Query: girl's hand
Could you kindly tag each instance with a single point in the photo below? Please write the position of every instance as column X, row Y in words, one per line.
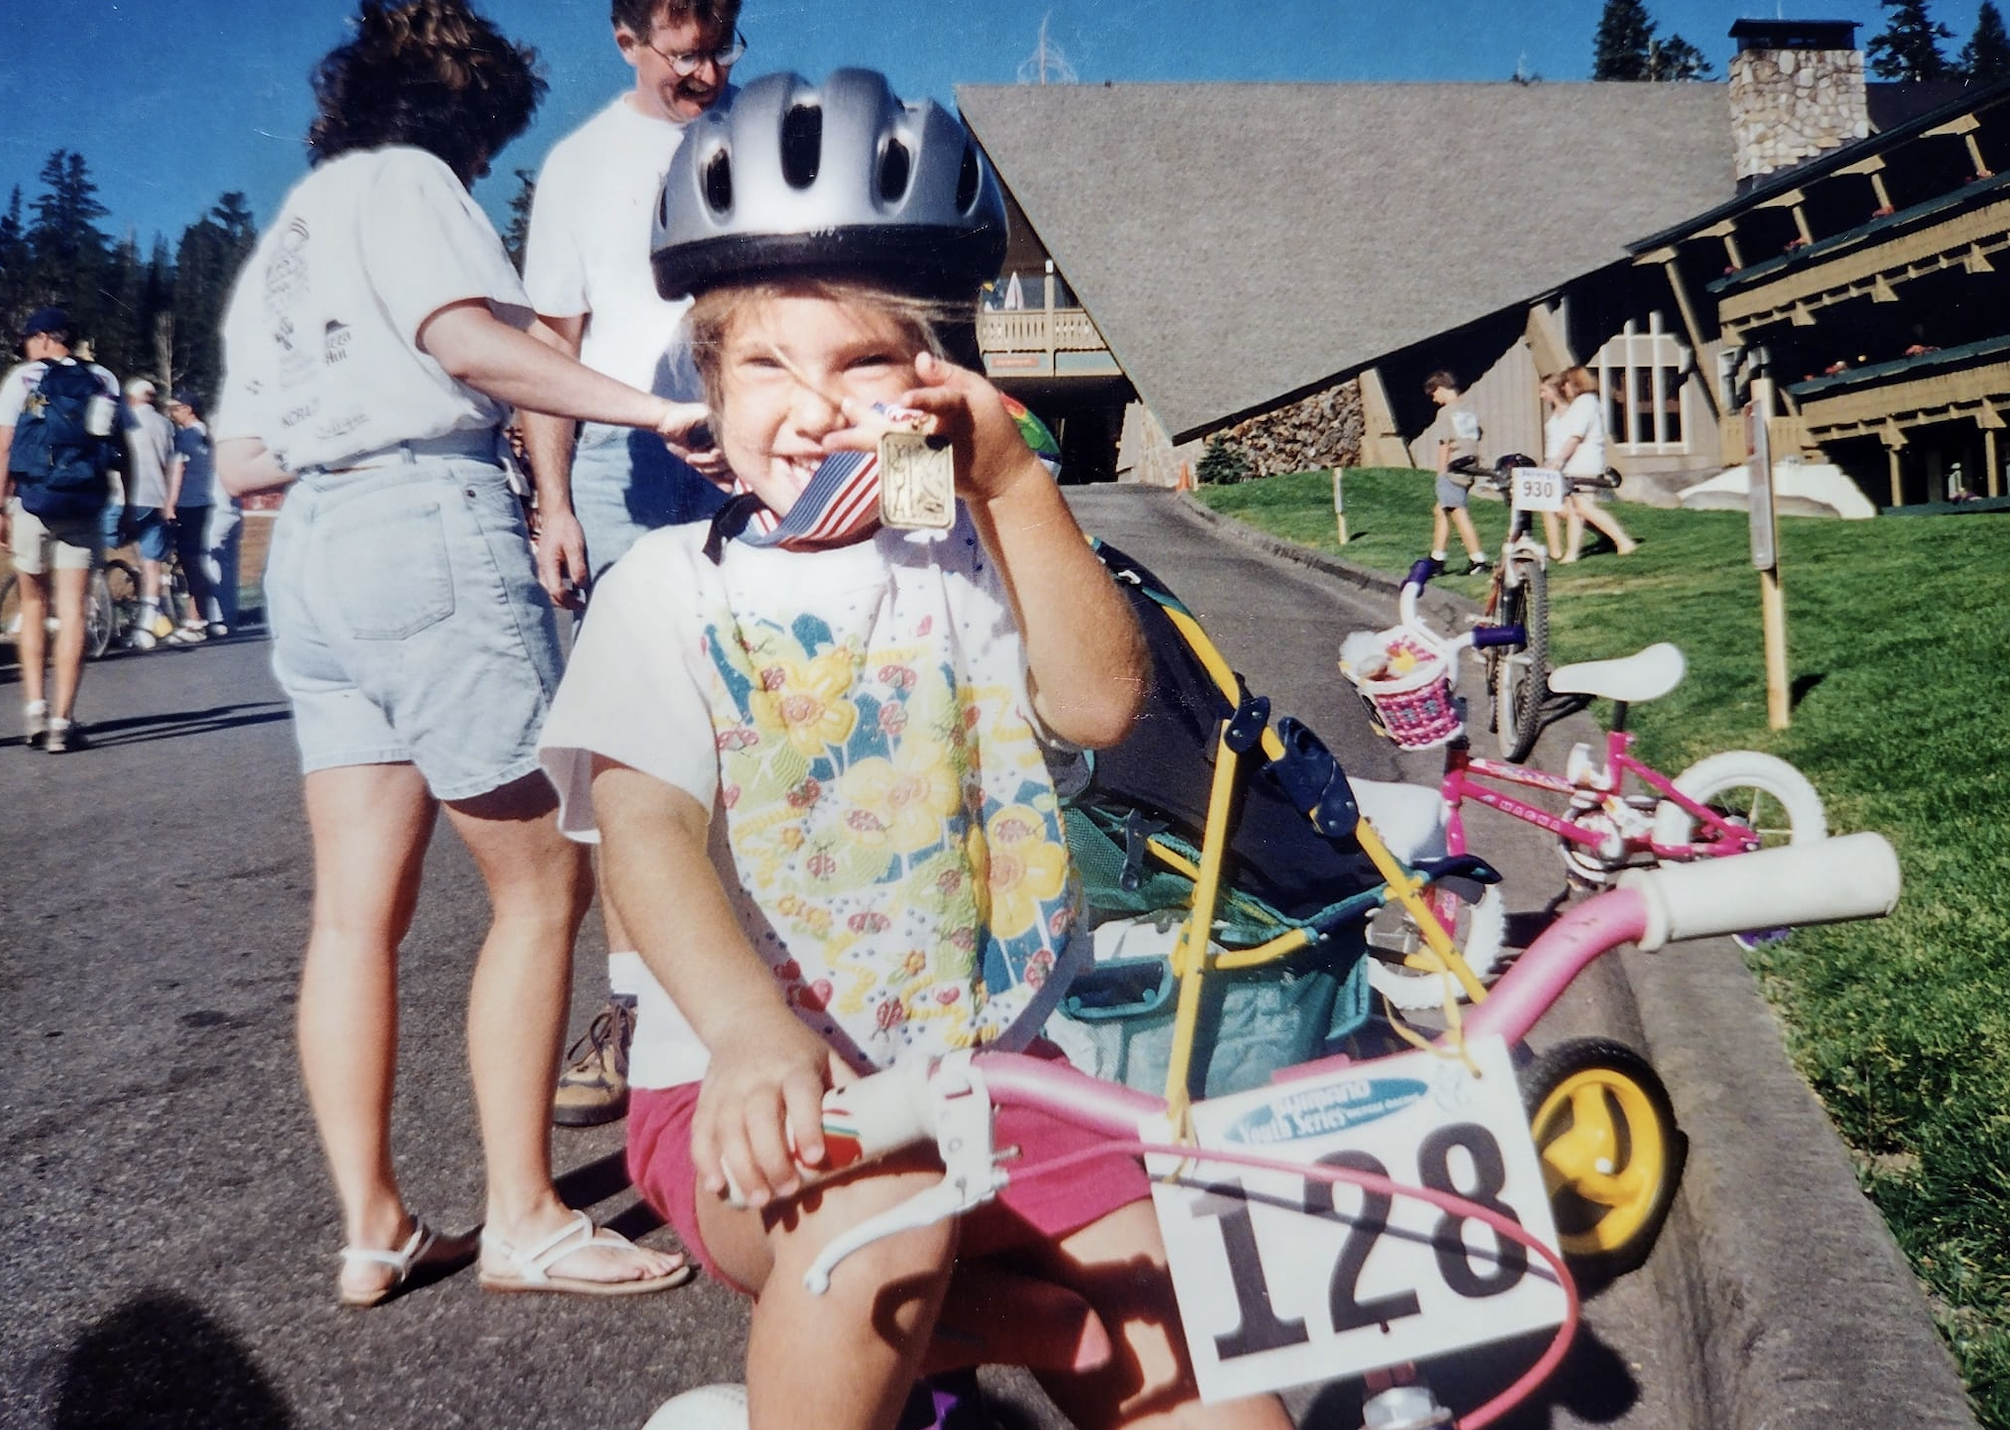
column 760, row 1109
column 991, row 456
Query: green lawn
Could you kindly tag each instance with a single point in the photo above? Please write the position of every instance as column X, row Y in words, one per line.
column 1898, row 634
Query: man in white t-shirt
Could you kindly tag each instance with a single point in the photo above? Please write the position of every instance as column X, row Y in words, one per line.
column 150, row 450
column 588, row 274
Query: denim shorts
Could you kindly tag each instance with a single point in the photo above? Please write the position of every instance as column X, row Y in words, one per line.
column 150, row 532
column 625, row 484
column 408, row 624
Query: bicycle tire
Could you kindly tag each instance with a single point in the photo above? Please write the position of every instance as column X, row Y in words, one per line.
column 1612, row 1153
column 1760, row 791
column 1478, row 928
column 1522, row 677
column 98, row 616
column 122, row 592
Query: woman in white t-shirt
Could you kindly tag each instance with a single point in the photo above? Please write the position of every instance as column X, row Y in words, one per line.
column 373, row 347
column 1580, row 452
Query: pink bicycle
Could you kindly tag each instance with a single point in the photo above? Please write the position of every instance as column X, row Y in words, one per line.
column 1358, row 1217
column 1619, row 812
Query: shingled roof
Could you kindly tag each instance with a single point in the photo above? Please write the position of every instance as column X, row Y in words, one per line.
column 1237, row 243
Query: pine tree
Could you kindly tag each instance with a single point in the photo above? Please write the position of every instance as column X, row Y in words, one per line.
column 1675, row 59
column 1909, row 46
column 15, row 283
column 1624, row 41
column 207, row 261
column 1986, row 56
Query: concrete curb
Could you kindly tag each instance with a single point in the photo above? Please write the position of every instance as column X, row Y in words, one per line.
column 1804, row 1311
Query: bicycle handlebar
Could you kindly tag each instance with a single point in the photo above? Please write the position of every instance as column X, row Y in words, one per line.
column 1853, row 876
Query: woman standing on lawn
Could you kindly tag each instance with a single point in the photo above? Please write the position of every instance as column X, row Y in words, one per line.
column 373, row 345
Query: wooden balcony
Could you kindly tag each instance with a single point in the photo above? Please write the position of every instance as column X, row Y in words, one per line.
column 1042, row 342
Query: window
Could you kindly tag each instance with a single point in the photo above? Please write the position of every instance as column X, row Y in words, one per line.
column 1645, row 379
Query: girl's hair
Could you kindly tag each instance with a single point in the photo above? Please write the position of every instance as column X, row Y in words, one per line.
column 714, row 312
column 639, row 17
column 1577, row 381
column 429, row 73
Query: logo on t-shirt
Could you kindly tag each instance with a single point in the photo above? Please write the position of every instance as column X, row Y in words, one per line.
column 335, row 342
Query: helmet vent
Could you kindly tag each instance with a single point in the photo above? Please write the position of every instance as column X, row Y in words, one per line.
column 967, row 180
column 718, row 183
column 895, row 165
column 802, row 144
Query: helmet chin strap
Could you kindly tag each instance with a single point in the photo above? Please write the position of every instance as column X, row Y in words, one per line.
column 838, row 506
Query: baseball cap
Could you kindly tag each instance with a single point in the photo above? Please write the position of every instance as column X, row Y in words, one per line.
column 139, row 387
column 46, row 320
column 185, row 397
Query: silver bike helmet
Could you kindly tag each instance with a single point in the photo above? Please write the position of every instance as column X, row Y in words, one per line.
column 843, row 176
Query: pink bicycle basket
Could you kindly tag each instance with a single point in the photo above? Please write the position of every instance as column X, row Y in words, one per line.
column 1416, row 707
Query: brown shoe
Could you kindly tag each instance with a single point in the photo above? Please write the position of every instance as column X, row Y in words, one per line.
column 593, row 1085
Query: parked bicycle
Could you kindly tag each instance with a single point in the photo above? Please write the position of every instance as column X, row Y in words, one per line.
column 1281, row 1205
column 1620, row 812
column 1518, row 598
column 111, row 607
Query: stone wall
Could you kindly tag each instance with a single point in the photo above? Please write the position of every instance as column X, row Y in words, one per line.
column 1323, row 430
column 1788, row 105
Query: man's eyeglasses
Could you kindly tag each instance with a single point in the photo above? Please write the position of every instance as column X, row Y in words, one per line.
column 684, row 64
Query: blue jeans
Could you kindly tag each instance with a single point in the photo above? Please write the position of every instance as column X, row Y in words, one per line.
column 626, row 484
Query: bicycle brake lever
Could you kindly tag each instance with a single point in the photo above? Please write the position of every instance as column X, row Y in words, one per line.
column 960, row 1116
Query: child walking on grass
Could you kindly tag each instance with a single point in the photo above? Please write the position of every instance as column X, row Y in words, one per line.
column 815, row 753
column 1458, row 460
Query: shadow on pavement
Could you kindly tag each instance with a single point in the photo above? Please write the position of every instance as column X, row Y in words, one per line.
column 593, row 1182
column 177, row 724
column 160, row 1363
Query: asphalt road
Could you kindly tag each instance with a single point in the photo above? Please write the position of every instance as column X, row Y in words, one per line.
column 170, row 1236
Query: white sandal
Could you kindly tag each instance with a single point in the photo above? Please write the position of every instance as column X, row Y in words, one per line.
column 530, row 1266
column 425, row 1252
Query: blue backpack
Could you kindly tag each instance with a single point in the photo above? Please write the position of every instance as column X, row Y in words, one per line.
column 59, row 467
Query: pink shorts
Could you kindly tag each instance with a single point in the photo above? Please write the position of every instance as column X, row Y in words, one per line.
column 1030, row 1211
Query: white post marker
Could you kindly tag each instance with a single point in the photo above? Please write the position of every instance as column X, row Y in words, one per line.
column 1765, row 552
column 1538, row 489
column 1339, row 507
column 1285, row 1281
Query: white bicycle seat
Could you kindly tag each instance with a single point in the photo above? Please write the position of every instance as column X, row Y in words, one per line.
column 1644, row 675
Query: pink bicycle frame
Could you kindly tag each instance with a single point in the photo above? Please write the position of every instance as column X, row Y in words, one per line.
column 1464, row 772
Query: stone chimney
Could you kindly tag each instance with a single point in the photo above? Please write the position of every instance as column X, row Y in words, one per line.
column 1797, row 90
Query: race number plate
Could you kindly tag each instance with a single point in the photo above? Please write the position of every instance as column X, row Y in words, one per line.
column 1539, row 489
column 1283, row 1281
column 917, row 481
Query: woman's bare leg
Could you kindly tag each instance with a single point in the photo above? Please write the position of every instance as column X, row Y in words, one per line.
column 538, row 887
column 1597, row 516
column 370, row 824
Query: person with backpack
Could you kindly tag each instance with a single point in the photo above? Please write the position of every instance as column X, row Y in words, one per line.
column 56, row 420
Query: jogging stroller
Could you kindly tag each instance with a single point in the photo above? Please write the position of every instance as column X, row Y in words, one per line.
column 1210, row 841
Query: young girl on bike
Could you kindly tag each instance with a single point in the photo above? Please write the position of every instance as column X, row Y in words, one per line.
column 815, row 754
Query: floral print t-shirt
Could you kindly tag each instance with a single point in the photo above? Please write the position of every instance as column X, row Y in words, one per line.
column 858, row 722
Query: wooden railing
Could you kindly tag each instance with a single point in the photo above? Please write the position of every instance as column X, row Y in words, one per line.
column 1037, row 330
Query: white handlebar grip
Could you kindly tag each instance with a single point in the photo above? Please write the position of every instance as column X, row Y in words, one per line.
column 868, row 1118
column 1853, row 876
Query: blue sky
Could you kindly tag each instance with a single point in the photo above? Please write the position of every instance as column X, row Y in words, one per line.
column 173, row 102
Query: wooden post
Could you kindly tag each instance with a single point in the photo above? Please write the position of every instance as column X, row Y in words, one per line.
column 1339, row 506
column 1779, row 681
column 1765, row 555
